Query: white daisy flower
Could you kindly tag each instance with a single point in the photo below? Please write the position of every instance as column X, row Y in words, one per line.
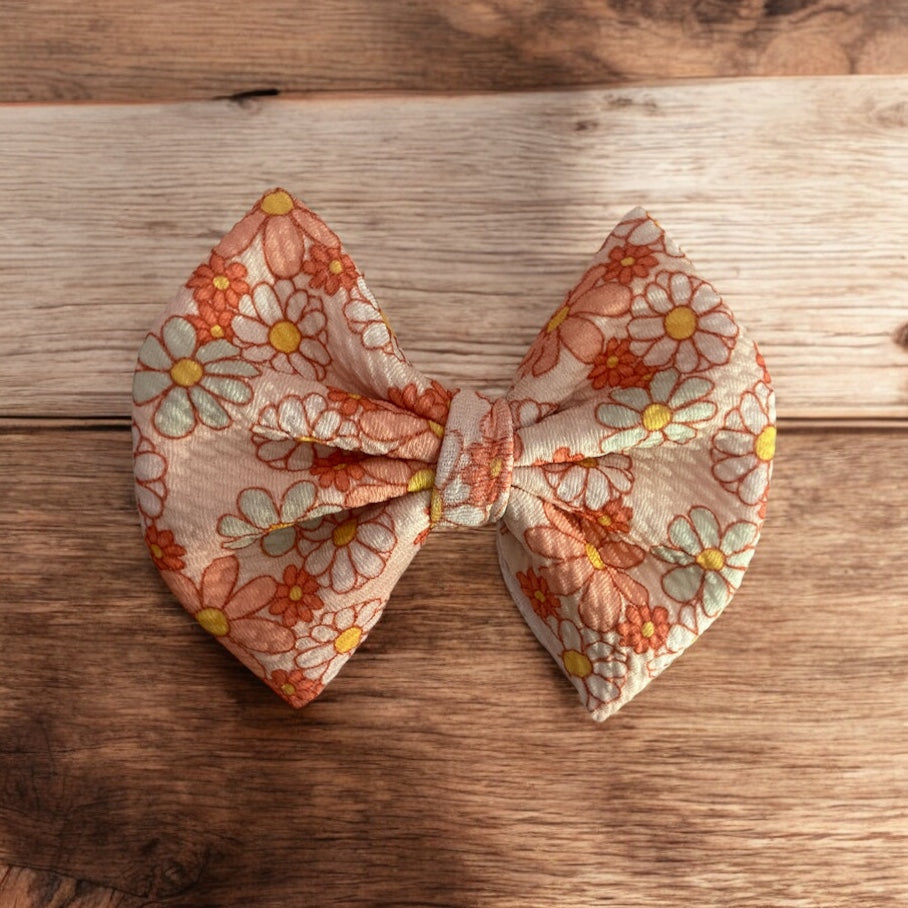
column 680, row 320
column 264, row 520
column 329, row 644
column 743, row 448
column 189, row 381
column 150, row 469
column 709, row 562
column 666, row 411
column 284, row 327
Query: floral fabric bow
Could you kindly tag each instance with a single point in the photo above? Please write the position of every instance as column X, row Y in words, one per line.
column 290, row 460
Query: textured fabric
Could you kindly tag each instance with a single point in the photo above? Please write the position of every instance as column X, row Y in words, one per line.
column 290, row 460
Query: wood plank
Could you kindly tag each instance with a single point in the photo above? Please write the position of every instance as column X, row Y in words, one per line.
column 23, row 887
column 769, row 766
column 104, row 50
column 470, row 217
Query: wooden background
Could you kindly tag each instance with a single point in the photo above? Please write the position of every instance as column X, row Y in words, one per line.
column 449, row 764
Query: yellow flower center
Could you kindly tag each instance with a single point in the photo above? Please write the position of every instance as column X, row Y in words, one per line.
column 156, row 550
column 656, row 417
column 711, row 560
column 539, row 596
column 612, row 361
column 648, row 629
column 765, row 445
column 277, row 203
column 217, row 331
column 496, row 465
column 221, row 281
column 595, row 558
column 336, row 266
column 186, row 372
column 349, row 639
column 605, row 520
column 285, row 337
column 421, row 480
column 345, row 533
column 588, row 462
column 577, row 663
column 556, row 320
column 680, row 323
column 305, row 439
column 288, row 689
column 436, row 427
column 436, row 506
column 628, row 260
column 214, row 621
column 295, row 594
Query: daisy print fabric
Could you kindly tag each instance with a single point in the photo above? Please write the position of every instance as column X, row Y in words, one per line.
column 290, row 460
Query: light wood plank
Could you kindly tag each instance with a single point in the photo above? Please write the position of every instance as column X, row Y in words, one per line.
column 25, row 887
column 101, row 49
column 768, row 767
column 471, row 216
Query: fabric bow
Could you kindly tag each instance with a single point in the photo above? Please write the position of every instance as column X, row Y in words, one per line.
column 290, row 460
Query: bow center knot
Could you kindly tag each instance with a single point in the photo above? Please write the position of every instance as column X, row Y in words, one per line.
column 475, row 462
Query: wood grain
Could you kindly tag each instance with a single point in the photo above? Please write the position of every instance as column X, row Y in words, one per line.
column 23, row 887
column 471, row 217
column 104, row 50
column 769, row 767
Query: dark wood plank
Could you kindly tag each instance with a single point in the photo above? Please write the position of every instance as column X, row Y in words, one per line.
column 104, row 50
column 449, row 764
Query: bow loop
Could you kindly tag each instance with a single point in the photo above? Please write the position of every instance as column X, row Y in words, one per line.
column 475, row 463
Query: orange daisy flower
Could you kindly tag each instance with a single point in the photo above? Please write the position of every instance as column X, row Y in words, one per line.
column 330, row 268
column 617, row 367
column 630, row 261
column 338, row 469
column 615, row 517
column 296, row 599
column 295, row 687
column 167, row 555
column 212, row 324
column 545, row 603
column 218, row 283
column 645, row 628
column 432, row 404
column 351, row 403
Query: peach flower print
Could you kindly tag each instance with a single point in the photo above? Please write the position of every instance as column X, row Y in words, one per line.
column 230, row 614
column 574, row 327
column 580, row 555
column 284, row 227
